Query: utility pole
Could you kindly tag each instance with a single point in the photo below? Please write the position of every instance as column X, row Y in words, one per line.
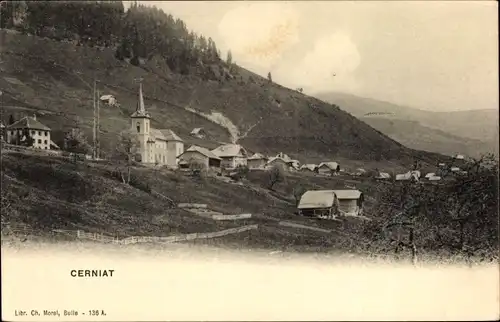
column 98, row 128
column 94, row 132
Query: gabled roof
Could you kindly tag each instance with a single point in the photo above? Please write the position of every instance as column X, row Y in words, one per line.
column 430, row 174
column 257, row 156
column 347, row 194
column 28, row 123
column 1, row 125
column 197, row 130
column 311, row 167
column 284, row 157
column 106, row 97
column 273, row 159
column 203, row 151
column 434, row 178
column 455, row 169
column 383, row 175
column 317, row 199
column 229, row 150
column 330, row 165
column 408, row 175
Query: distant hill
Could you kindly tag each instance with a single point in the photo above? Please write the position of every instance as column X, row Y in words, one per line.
column 53, row 79
column 471, row 132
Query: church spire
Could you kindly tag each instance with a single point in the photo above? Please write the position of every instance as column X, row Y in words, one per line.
column 140, row 108
column 140, row 101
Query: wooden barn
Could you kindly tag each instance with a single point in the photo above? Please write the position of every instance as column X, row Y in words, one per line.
column 318, row 203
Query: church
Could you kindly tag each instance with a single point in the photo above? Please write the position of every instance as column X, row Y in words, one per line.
column 156, row 146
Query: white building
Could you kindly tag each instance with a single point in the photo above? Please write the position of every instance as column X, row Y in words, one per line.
column 158, row 146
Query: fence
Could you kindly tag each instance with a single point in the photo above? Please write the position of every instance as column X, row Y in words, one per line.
column 153, row 239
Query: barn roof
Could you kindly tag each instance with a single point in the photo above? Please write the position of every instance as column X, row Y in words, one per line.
column 197, row 130
column 330, row 165
column 204, row 151
column 28, row 123
column 383, row 175
column 317, row 199
column 347, row 194
column 106, row 97
column 229, row 150
column 309, row 166
column 430, row 174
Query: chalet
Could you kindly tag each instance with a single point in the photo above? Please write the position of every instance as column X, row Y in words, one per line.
column 429, row 175
column 279, row 162
column 383, row 176
column 109, row 100
column 29, row 131
column 455, row 169
column 198, row 133
column 200, row 155
column 284, row 157
column 434, row 178
column 328, row 168
column 350, row 202
column 308, row 168
column 257, row 161
column 408, row 176
column 359, row 172
column 318, row 203
column 232, row 155
column 460, row 157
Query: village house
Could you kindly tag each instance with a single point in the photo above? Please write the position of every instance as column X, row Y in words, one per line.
column 409, row 176
column 383, row 176
column 232, row 155
column 20, row 132
column 318, row 203
column 109, row 100
column 278, row 162
column 156, row 146
column 257, row 161
column 350, row 202
column 429, row 175
column 308, row 168
column 200, row 155
column 293, row 165
column 198, row 133
column 328, row 168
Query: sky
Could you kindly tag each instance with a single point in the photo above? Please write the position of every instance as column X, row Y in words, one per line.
column 434, row 55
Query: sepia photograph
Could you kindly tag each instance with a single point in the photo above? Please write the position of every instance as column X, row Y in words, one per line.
column 249, row 160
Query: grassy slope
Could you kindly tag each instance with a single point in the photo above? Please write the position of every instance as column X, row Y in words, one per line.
column 464, row 128
column 50, row 192
column 52, row 77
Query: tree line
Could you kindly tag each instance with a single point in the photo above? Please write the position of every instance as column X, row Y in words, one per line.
column 139, row 32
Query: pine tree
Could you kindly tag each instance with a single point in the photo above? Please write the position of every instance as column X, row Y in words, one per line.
column 269, row 77
column 229, row 59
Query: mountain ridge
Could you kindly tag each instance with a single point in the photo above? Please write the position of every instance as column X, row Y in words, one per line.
column 53, row 76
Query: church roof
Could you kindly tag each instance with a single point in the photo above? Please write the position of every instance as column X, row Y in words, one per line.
column 165, row 135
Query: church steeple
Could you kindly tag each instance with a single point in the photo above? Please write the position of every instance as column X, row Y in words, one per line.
column 140, row 110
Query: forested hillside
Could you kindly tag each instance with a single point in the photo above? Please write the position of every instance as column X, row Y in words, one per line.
column 58, row 48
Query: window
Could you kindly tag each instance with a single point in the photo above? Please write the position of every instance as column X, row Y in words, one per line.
column 45, row 141
column 46, row 148
column 46, row 133
column 138, row 127
column 147, row 126
column 39, row 133
column 40, row 141
column 32, row 132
